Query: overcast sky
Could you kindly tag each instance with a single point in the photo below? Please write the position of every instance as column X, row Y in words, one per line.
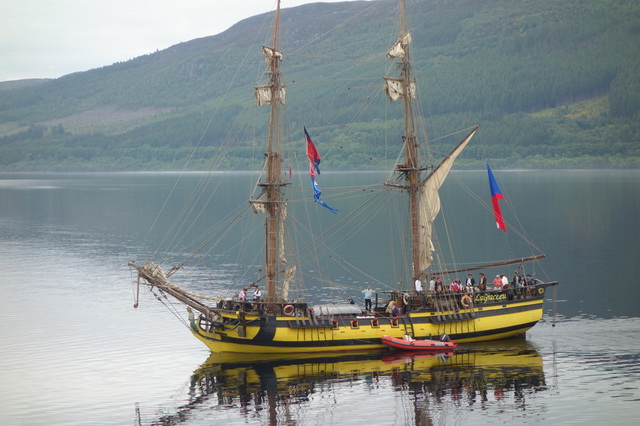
column 51, row 38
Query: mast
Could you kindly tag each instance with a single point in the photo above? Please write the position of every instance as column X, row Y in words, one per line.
column 424, row 200
column 412, row 152
column 273, row 204
column 404, row 88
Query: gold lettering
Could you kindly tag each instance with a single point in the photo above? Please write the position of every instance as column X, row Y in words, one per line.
column 484, row 298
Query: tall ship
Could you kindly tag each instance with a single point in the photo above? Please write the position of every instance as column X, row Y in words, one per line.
column 264, row 316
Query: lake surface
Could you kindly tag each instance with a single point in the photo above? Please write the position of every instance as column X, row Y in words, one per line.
column 75, row 352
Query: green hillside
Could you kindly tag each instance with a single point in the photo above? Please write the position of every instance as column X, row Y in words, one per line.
column 552, row 84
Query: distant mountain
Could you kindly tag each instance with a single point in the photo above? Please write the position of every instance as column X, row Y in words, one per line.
column 553, row 84
column 19, row 84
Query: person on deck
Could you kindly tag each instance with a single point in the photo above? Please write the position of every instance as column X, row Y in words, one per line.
column 257, row 294
column 392, row 309
column 407, row 337
column 516, row 282
column 432, row 284
column 497, row 283
column 368, row 295
column 505, row 282
column 418, row 285
column 482, row 285
column 470, row 284
column 242, row 296
column 529, row 282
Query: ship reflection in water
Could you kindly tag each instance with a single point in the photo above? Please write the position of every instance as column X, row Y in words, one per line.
column 285, row 390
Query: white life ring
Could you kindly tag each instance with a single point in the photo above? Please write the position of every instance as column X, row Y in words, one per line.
column 288, row 310
column 405, row 298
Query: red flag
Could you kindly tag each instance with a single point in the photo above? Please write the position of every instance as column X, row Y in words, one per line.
column 496, row 195
column 312, row 153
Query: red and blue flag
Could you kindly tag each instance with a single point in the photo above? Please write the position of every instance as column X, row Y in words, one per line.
column 496, row 195
column 312, row 154
column 314, row 165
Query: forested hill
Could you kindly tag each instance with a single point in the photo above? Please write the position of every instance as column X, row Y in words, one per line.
column 552, row 83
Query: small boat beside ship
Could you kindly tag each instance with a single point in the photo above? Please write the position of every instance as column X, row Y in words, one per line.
column 419, row 345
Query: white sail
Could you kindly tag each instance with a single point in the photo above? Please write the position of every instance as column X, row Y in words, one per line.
column 429, row 203
column 258, row 206
column 263, row 95
column 282, row 213
column 399, row 49
column 289, row 274
column 270, row 53
column 394, row 88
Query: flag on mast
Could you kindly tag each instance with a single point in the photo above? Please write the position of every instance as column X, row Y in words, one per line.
column 316, row 196
column 496, row 195
column 312, row 153
column 314, row 165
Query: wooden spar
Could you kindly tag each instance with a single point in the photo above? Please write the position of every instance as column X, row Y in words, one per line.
column 411, row 167
column 273, row 184
column 149, row 273
column 506, row 262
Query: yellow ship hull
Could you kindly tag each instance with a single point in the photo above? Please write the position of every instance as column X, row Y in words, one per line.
column 241, row 332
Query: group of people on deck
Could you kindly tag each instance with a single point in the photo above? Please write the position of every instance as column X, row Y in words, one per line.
column 257, row 294
column 437, row 286
column 501, row 282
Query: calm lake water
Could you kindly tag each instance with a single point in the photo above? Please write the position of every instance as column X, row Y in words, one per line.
column 75, row 352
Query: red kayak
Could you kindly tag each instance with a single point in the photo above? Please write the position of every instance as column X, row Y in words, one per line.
column 418, row 345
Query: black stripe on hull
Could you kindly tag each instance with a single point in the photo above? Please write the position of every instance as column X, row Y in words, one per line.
column 262, row 338
column 428, row 318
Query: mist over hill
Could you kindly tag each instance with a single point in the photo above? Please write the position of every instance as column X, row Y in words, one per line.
column 552, row 84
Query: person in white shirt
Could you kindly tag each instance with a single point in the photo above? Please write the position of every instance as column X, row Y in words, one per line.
column 257, row 294
column 418, row 285
column 368, row 295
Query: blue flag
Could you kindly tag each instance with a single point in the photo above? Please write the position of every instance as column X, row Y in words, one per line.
column 316, row 196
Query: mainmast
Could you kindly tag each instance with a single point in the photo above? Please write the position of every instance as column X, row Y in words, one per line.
column 405, row 88
column 273, row 203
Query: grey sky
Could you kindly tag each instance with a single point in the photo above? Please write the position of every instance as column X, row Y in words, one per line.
column 51, row 38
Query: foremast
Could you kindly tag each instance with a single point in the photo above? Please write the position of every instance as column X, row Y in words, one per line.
column 424, row 201
column 271, row 199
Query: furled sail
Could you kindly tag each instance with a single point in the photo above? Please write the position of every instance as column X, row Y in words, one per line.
column 258, row 206
column 289, row 275
column 282, row 217
column 429, row 202
column 399, row 49
column 270, row 53
column 263, row 95
column 394, row 88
